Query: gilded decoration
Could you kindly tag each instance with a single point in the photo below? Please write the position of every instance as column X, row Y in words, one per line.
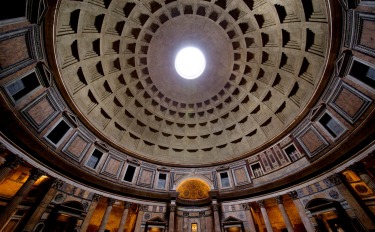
column 193, row 189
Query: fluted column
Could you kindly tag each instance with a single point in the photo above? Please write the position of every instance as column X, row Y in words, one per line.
column 280, row 204
column 172, row 212
column 90, row 212
column 215, row 209
column 9, row 209
column 124, row 216
column 265, row 216
column 107, row 212
column 250, row 218
column 11, row 163
column 202, row 220
column 360, row 170
column 141, row 211
column 302, row 213
column 365, row 219
column 34, row 219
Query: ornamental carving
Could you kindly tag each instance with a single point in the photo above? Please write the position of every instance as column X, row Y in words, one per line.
column 193, row 189
column 279, row 200
column 35, row 174
column 127, row 205
column 358, row 168
column 57, row 184
column 261, row 203
column 360, row 188
column 96, row 197
column 111, row 201
column 334, row 194
column 335, row 179
column 13, row 162
column 172, row 208
column 293, row 195
column 215, row 207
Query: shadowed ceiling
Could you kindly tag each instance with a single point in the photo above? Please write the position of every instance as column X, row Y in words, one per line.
column 265, row 60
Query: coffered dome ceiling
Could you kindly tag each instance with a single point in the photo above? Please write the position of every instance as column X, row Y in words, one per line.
column 265, row 60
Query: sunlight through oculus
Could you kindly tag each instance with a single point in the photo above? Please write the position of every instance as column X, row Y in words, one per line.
column 190, row 63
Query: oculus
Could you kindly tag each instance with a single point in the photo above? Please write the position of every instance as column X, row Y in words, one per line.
column 190, row 63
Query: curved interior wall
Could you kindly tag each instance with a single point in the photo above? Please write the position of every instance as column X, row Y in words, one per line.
column 331, row 136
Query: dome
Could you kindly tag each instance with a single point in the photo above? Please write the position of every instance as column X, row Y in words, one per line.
column 116, row 65
column 100, row 130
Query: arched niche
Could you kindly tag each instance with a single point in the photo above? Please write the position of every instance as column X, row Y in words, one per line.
column 193, row 189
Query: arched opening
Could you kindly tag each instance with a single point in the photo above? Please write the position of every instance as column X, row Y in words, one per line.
column 193, row 189
column 329, row 215
column 64, row 217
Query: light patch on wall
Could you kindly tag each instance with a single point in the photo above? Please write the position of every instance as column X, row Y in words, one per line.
column 193, row 189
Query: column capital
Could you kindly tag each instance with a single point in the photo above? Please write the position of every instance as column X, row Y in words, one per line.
column 110, row 201
column 13, row 162
column 57, row 183
column 215, row 207
column 246, row 206
column 127, row 204
column 143, row 207
column 261, row 203
column 96, row 197
column 35, row 174
column 358, row 168
column 293, row 194
column 172, row 207
column 3, row 149
column 279, row 200
column 335, row 179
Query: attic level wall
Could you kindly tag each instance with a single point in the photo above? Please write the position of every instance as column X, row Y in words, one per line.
column 32, row 108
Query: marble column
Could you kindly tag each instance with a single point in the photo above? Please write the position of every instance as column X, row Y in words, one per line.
column 11, row 163
column 360, row 170
column 107, row 212
column 141, row 212
column 124, row 216
column 185, row 222
column 250, row 218
column 215, row 209
column 48, row 197
column 172, row 212
column 90, row 212
column 265, row 216
column 302, row 213
column 11, row 207
column 287, row 222
column 202, row 220
column 364, row 218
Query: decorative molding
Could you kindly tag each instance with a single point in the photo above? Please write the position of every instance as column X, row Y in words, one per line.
column 215, row 207
column 311, row 129
column 261, row 203
column 52, row 103
column 13, row 162
column 31, row 34
column 335, row 179
column 127, row 204
column 359, row 18
column 366, row 101
column 172, row 208
column 57, row 184
column 77, row 157
column 279, row 200
column 110, row 201
column 96, row 197
column 35, row 174
column 293, row 195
